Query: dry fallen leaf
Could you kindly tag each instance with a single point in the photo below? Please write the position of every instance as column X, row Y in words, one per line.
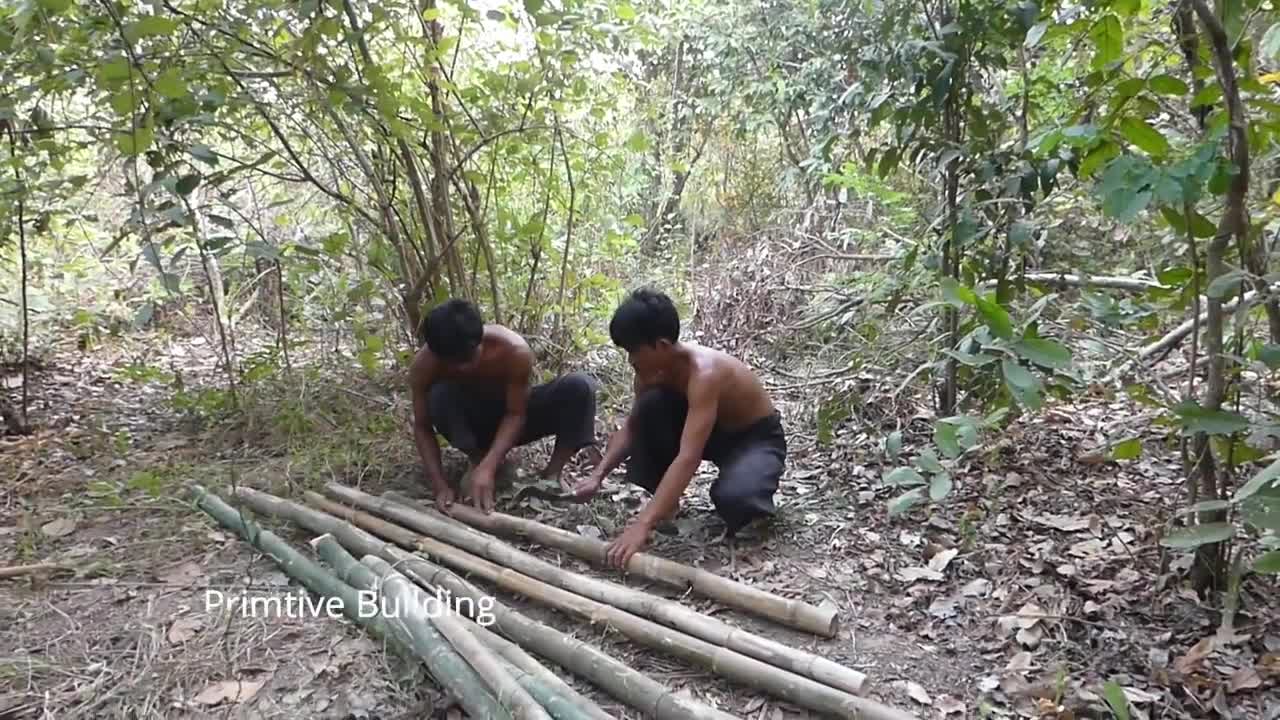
column 58, row 528
column 1030, row 637
column 1135, row 695
column 948, row 705
column 1087, row 548
column 1047, row 707
column 940, row 561
column 1064, row 523
column 1198, row 652
column 918, row 693
column 184, row 628
column 1021, row 662
column 1244, row 679
column 236, row 691
column 182, row 574
column 912, row 574
column 1008, row 624
column 976, row 588
column 1029, row 615
column 943, row 607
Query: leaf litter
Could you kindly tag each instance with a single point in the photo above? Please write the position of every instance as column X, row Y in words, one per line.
column 924, row 589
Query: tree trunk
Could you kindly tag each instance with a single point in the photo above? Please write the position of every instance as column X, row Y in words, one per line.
column 1208, row 570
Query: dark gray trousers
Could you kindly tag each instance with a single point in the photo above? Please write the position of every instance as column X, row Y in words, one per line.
column 750, row 460
column 468, row 415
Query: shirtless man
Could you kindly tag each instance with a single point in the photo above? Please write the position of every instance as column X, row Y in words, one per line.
column 470, row 382
column 692, row 403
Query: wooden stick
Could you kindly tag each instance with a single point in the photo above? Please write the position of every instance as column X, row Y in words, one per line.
column 361, row 575
column 447, row 668
column 416, row 606
column 726, row 663
column 727, row 592
column 14, row 571
column 637, row 690
column 667, row 612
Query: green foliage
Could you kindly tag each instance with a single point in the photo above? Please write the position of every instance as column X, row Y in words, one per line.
column 930, row 476
column 1116, row 700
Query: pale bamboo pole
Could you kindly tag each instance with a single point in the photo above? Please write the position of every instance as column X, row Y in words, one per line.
column 637, row 690
column 726, row 663
column 446, row 667
column 730, row 593
column 416, row 604
column 523, row 662
column 663, row 610
column 561, row 706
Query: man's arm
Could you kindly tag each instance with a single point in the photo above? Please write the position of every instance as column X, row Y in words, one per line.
column 421, row 377
column 508, row 431
column 701, row 418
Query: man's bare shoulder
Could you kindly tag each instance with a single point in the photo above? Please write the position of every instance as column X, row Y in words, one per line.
column 512, row 351
column 422, row 367
column 717, row 362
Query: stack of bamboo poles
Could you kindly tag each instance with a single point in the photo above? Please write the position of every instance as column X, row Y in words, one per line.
column 492, row 669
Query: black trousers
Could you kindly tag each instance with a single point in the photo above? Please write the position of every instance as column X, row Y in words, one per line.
column 750, row 460
column 468, row 415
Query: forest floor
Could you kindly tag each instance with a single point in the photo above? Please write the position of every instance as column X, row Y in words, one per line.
column 1037, row 582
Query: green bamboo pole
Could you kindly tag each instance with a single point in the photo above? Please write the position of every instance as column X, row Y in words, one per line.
column 525, row 665
column 419, row 606
column 635, row 689
column 822, row 621
column 471, row 692
column 659, row 609
column 726, row 663
column 560, row 700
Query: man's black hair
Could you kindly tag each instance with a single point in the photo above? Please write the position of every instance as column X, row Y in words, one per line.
column 452, row 330
column 644, row 318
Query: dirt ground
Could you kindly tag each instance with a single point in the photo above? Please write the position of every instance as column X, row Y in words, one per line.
column 1038, row 582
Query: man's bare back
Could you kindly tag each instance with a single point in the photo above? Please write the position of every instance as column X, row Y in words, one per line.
column 741, row 399
column 501, row 357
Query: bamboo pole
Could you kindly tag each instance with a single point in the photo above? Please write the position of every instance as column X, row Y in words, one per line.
column 448, row 669
column 635, row 689
column 363, row 574
column 735, row 666
column 663, row 610
column 730, row 593
column 525, row 663
column 416, row 604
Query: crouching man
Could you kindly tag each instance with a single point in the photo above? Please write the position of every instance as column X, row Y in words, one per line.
column 470, row 383
column 692, row 403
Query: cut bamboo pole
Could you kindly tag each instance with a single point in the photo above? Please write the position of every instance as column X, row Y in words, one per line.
column 633, row 688
column 735, row 666
column 447, row 668
column 730, row 593
column 663, row 610
column 561, row 706
column 529, row 665
column 417, row 606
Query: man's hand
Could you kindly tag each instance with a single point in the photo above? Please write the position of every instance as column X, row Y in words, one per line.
column 445, row 497
column 482, row 484
column 588, row 486
column 630, row 542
